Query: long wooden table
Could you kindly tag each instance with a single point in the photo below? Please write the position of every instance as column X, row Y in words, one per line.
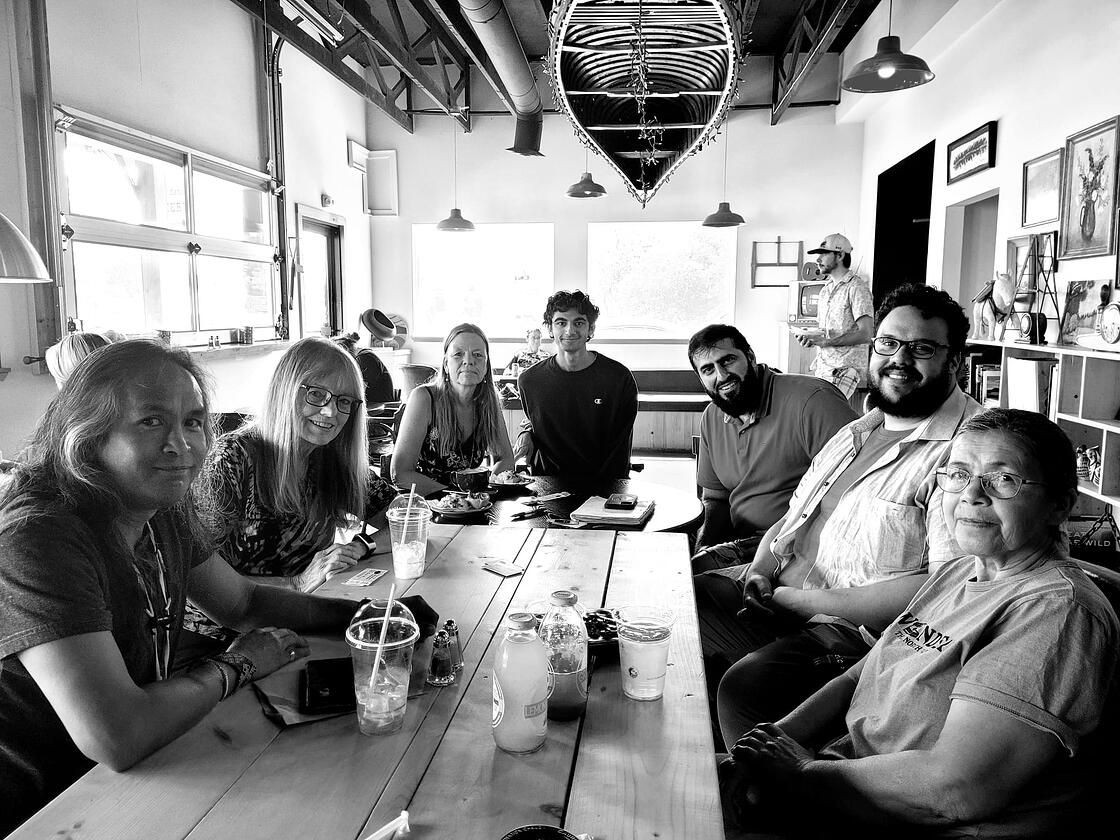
column 627, row 770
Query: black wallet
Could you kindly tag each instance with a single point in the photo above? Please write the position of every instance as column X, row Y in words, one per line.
column 326, row 686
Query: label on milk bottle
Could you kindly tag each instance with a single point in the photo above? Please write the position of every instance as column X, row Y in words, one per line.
column 499, row 710
column 534, row 709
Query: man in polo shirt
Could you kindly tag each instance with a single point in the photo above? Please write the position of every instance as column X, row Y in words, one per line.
column 844, row 310
column 862, row 530
column 756, row 441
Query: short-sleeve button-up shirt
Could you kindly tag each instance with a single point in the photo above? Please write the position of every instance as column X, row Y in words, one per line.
column 889, row 521
column 841, row 303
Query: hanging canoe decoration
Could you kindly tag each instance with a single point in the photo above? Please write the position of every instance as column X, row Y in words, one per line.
column 645, row 83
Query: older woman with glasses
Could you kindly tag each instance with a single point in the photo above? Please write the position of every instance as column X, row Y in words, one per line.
column 455, row 421
column 100, row 545
column 280, row 486
column 975, row 713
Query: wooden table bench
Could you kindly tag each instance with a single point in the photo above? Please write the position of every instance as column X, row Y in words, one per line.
column 627, row 770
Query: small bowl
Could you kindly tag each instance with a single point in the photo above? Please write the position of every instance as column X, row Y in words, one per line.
column 538, row 832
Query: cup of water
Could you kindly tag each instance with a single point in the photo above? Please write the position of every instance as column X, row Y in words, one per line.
column 381, row 671
column 643, row 649
column 409, row 519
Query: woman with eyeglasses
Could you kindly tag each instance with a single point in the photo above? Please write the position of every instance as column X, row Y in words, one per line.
column 280, row 486
column 455, row 421
column 977, row 711
column 100, row 545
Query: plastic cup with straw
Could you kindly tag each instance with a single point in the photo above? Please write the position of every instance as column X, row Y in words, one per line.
column 382, row 668
column 408, row 532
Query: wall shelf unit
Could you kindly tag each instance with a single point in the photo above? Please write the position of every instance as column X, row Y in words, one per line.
column 1085, row 401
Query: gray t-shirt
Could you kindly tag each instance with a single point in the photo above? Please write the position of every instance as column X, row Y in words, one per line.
column 59, row 578
column 1039, row 646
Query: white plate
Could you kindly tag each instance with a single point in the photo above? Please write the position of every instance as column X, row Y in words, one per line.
column 452, row 512
column 518, row 481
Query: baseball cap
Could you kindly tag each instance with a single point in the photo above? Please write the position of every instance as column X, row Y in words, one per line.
column 834, row 243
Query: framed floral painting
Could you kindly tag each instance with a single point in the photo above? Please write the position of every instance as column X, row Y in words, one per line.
column 1088, row 214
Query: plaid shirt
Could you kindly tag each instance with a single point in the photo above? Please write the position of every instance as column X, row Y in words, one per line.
column 889, row 521
column 841, row 303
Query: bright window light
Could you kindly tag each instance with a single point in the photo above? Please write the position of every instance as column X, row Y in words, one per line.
column 498, row 277
column 660, row 279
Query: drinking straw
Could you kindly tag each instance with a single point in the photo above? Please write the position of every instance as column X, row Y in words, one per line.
column 381, row 643
column 393, row 828
column 408, row 514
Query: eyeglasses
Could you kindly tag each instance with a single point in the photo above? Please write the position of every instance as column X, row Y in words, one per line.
column 318, row 396
column 919, row 349
column 998, row 485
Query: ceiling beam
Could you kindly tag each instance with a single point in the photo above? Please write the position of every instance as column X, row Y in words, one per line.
column 269, row 13
column 399, row 53
column 816, row 26
column 447, row 14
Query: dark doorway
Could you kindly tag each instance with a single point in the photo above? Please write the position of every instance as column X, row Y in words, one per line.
column 902, row 222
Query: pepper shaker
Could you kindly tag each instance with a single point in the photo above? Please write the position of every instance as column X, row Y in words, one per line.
column 440, row 671
column 452, row 630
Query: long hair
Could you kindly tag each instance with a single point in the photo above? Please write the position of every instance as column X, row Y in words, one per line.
column 342, row 466
column 490, row 425
column 61, row 466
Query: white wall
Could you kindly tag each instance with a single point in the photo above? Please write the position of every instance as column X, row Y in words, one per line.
column 798, row 180
column 1044, row 68
column 978, row 251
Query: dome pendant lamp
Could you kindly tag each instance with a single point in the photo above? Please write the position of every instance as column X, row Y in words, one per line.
column 724, row 216
column 889, row 69
column 455, row 223
column 586, row 186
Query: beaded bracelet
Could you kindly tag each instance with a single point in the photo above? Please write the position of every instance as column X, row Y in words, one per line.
column 242, row 666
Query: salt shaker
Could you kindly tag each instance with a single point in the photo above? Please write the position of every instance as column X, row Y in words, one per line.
column 441, row 671
column 452, row 630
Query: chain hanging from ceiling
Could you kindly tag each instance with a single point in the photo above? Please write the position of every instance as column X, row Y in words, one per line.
column 650, row 132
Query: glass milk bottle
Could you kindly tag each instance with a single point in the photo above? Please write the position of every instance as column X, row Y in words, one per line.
column 520, row 681
column 565, row 636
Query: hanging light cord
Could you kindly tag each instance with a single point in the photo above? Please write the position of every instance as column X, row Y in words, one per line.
column 454, row 168
column 890, row 15
column 726, row 143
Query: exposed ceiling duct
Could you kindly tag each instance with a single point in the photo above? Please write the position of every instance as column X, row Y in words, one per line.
column 491, row 23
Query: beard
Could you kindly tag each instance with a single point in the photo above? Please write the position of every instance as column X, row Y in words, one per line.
column 923, row 401
column 744, row 401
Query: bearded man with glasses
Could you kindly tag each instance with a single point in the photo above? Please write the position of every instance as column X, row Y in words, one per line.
column 862, row 530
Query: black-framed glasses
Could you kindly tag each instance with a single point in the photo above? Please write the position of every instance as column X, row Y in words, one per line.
column 998, row 485
column 884, row 345
column 319, row 396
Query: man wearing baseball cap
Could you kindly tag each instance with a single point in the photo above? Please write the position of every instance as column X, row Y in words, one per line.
column 846, row 314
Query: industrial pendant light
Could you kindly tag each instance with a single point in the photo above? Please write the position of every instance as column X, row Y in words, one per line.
column 455, row 223
column 19, row 261
column 724, row 216
column 889, row 69
column 586, row 186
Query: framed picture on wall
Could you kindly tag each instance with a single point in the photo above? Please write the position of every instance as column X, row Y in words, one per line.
column 973, row 153
column 1088, row 214
column 1042, row 183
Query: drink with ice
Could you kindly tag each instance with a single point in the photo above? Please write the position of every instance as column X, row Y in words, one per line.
column 381, row 708
column 409, row 518
column 643, row 650
column 565, row 636
column 382, row 697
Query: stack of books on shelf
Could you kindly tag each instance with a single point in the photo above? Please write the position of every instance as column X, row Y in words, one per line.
column 984, row 384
